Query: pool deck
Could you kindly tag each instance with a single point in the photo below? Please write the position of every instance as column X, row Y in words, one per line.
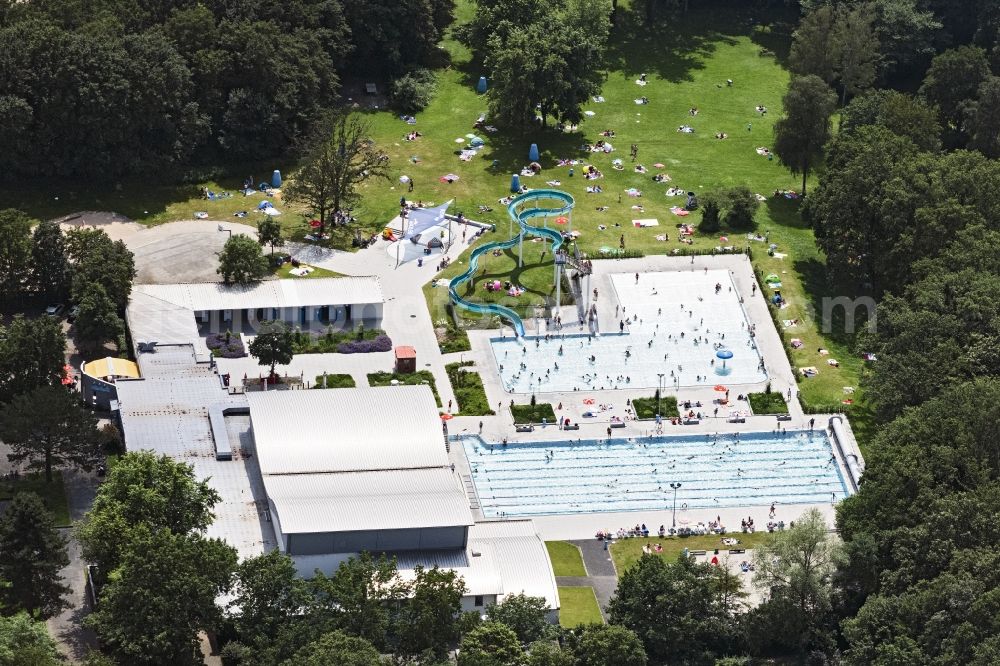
column 408, row 322
column 583, row 526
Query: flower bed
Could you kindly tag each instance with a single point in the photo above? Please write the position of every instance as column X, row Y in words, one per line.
column 225, row 345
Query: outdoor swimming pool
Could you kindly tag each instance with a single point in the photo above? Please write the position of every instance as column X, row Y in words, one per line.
column 538, row 478
column 678, row 322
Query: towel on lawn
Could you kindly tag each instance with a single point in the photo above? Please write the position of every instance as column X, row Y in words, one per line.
column 646, row 223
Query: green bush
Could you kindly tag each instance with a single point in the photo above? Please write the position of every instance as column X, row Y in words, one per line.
column 455, row 340
column 469, row 391
column 533, row 413
column 335, row 381
column 741, row 207
column 645, row 408
column 710, row 212
column 304, row 342
column 767, row 403
column 412, row 379
column 413, row 91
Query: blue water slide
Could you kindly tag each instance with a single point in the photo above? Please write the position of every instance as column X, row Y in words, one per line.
column 524, row 207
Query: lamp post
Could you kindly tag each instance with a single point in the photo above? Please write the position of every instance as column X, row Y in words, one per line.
column 659, row 390
column 675, row 486
column 222, row 228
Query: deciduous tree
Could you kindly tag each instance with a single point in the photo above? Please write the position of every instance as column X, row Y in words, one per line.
column 427, row 619
column 50, row 269
column 357, row 597
column 15, row 253
column 26, row 641
column 272, row 345
column 524, row 615
column 799, row 136
column 340, row 157
column 269, row 233
column 99, row 260
column 97, row 321
column 142, row 489
column 609, row 645
column 169, row 582
column 32, row 354
column 242, row 261
column 491, row 644
column 675, row 610
column 338, row 648
column 953, row 81
column 795, row 570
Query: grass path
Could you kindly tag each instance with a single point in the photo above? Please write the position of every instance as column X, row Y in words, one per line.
column 578, row 605
column 566, row 559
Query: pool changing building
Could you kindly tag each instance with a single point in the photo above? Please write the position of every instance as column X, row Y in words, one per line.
column 323, row 475
column 367, row 469
column 357, row 469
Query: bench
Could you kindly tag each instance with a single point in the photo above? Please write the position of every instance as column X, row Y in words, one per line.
column 371, row 89
column 524, row 428
column 697, row 553
column 691, row 421
column 784, row 417
column 737, row 551
column 618, row 424
column 574, row 426
column 737, row 419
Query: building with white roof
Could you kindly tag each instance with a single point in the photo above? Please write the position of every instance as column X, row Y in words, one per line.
column 358, row 469
column 320, row 475
column 179, row 313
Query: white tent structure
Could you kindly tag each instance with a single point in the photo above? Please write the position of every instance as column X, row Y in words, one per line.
column 424, row 232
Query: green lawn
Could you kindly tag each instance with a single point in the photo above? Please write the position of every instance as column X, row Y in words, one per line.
column 646, row 408
column 468, row 389
column 412, row 379
column 768, row 403
column 566, row 559
column 53, row 494
column 335, row 381
column 687, row 64
column 533, row 413
column 626, row 552
column 686, row 67
column 578, row 605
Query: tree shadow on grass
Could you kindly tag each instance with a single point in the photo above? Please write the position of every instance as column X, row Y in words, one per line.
column 670, row 51
column 786, row 212
column 510, row 150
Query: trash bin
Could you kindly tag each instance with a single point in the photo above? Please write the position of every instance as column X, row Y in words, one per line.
column 420, row 262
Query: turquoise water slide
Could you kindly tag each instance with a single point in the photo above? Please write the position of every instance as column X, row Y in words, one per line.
column 528, row 206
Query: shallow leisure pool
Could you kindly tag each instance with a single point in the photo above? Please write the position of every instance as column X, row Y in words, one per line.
column 675, row 323
column 585, row 476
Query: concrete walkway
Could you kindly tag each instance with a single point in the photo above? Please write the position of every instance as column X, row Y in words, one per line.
column 75, row 640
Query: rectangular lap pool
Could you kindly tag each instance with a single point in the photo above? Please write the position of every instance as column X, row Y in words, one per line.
column 586, row 476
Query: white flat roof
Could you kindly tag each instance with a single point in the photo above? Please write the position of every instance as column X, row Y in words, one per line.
column 213, row 296
column 503, row 557
column 382, row 500
column 347, row 430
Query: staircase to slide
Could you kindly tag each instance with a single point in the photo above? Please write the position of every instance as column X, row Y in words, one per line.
column 524, row 208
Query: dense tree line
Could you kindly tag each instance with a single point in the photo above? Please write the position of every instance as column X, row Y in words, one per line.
column 107, row 88
column 906, row 211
